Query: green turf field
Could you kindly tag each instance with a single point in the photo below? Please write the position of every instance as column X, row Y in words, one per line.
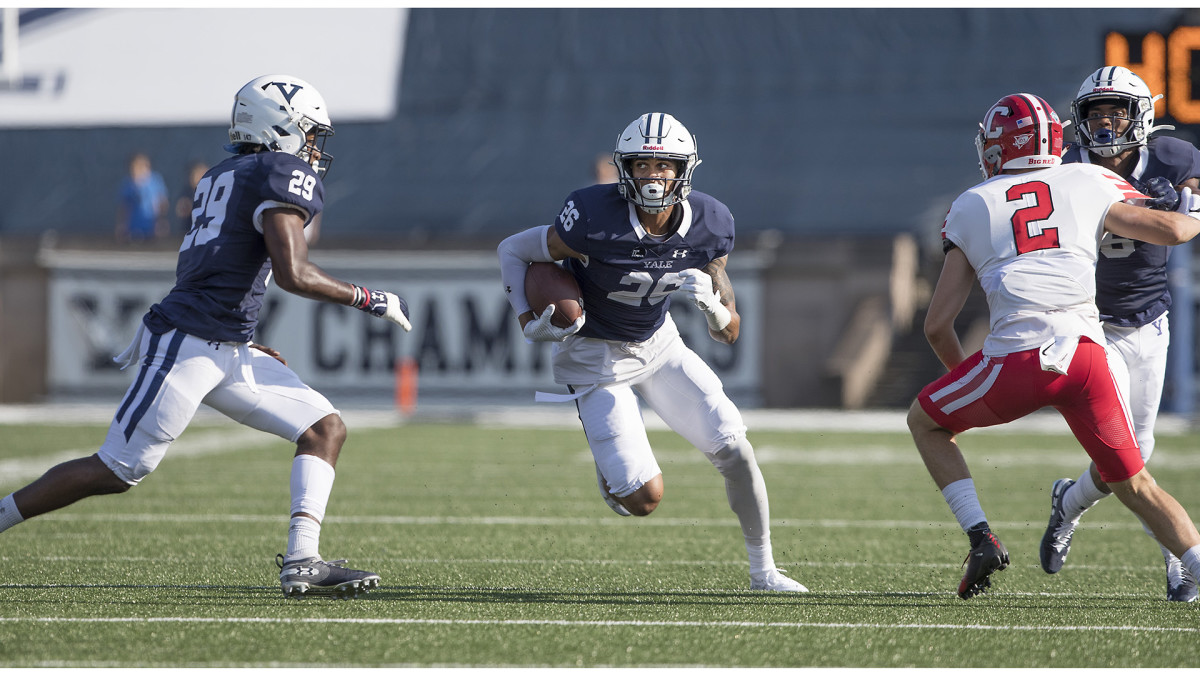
column 495, row 550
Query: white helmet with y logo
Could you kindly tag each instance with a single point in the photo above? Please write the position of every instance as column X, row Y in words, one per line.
column 656, row 135
column 1119, row 86
column 284, row 114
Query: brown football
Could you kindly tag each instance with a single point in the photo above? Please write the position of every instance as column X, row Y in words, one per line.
column 547, row 283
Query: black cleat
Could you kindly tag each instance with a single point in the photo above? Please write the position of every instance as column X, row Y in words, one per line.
column 1056, row 542
column 313, row 577
column 989, row 556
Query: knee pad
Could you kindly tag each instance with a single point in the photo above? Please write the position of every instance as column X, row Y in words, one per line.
column 734, row 457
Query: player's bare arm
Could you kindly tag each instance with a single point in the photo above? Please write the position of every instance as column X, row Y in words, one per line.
column 1156, row 227
column 949, row 296
column 723, row 286
column 283, row 230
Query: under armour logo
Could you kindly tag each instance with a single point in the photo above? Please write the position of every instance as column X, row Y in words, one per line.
column 282, row 86
column 679, row 253
column 305, row 571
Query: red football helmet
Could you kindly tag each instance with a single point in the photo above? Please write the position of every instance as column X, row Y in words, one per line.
column 1020, row 131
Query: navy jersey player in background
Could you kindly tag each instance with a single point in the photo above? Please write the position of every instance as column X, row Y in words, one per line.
column 1113, row 115
column 195, row 345
column 631, row 245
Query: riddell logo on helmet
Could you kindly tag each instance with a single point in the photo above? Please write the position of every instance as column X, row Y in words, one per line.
column 654, row 147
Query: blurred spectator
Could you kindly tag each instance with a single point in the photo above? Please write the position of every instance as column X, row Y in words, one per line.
column 142, row 207
column 185, row 202
column 604, row 170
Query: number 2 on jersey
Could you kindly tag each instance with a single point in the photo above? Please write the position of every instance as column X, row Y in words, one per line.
column 1029, row 235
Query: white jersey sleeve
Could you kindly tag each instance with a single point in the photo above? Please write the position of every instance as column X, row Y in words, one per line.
column 1032, row 239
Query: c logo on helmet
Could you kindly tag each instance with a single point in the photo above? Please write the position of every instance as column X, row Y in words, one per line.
column 989, row 130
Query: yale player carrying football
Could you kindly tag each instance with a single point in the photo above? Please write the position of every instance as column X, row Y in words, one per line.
column 194, row 346
column 1113, row 115
column 1030, row 235
column 630, row 246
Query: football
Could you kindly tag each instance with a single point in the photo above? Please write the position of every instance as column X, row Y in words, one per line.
column 547, row 283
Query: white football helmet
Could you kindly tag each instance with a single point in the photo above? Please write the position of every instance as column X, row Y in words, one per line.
column 656, row 135
column 280, row 112
column 1118, row 85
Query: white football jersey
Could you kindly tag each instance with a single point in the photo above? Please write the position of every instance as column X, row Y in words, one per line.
column 1033, row 239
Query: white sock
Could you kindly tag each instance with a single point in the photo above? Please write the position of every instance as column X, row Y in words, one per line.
column 761, row 557
column 1191, row 560
column 964, row 503
column 311, row 483
column 304, row 539
column 9, row 515
column 1081, row 496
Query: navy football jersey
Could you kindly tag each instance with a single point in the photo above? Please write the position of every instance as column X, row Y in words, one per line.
column 223, row 263
column 628, row 277
column 1131, row 275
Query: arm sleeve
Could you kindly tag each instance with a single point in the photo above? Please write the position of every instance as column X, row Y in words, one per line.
column 516, row 252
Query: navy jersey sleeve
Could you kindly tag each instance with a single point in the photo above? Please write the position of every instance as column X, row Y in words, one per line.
column 1176, row 159
column 720, row 223
column 572, row 223
column 288, row 180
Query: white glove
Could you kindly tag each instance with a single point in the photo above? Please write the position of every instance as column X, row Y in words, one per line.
column 699, row 287
column 395, row 311
column 382, row 304
column 1189, row 203
column 541, row 330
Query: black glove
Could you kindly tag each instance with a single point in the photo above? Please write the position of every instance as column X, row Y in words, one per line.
column 1163, row 196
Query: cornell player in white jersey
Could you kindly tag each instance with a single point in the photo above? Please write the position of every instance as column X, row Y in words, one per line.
column 631, row 245
column 248, row 222
column 1029, row 234
column 1113, row 115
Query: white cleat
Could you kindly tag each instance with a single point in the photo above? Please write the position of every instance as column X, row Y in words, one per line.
column 773, row 580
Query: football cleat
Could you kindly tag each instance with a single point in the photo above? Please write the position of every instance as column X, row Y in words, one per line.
column 1056, row 542
column 1180, row 585
column 308, row 577
column 989, row 556
column 608, row 497
column 773, row 580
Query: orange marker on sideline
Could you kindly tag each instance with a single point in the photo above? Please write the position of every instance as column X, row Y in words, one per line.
column 406, row 385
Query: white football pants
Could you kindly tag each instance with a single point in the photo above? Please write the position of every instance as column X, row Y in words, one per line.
column 177, row 372
column 683, row 390
column 1144, row 352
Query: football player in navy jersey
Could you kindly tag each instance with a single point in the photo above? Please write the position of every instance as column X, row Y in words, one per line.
column 194, row 346
column 1113, row 115
column 631, row 246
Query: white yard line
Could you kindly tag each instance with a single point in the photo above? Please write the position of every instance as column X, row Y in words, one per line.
column 557, row 521
column 601, row 624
